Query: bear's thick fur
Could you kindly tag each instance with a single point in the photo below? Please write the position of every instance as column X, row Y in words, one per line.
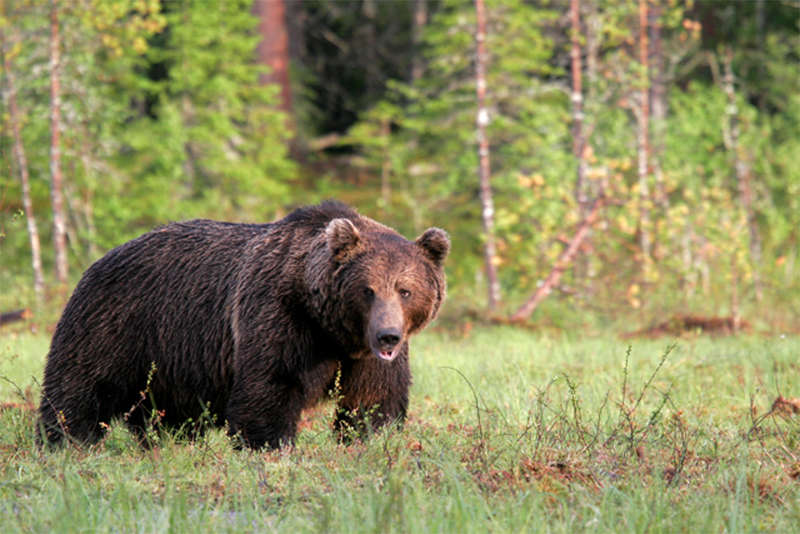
column 249, row 322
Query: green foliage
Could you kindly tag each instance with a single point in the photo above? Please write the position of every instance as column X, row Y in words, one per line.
column 164, row 119
column 210, row 144
column 346, row 53
column 433, row 154
column 699, row 230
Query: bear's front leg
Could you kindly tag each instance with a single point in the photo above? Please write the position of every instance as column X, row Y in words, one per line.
column 270, row 355
column 264, row 414
column 373, row 393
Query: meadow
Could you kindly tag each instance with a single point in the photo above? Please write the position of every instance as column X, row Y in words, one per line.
column 509, row 431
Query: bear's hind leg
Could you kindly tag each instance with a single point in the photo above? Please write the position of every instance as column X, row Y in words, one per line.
column 82, row 417
column 74, row 419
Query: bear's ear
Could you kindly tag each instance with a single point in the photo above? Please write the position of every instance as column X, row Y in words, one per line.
column 435, row 243
column 343, row 238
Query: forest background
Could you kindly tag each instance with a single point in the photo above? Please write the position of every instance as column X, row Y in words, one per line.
column 638, row 158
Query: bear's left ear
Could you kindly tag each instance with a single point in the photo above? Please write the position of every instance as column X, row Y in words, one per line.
column 343, row 239
column 435, row 243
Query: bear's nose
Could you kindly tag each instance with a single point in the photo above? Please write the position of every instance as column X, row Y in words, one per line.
column 389, row 337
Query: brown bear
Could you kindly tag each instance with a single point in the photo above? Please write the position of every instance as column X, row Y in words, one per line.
column 247, row 323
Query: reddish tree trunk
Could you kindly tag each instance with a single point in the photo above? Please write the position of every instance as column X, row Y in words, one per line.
column 487, row 206
column 420, row 19
column 560, row 267
column 273, row 50
column 22, row 166
column 59, row 221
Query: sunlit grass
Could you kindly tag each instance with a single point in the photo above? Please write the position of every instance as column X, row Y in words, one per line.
column 22, row 358
column 509, row 431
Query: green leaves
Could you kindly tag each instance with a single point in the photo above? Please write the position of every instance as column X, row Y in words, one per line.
column 164, row 118
column 226, row 145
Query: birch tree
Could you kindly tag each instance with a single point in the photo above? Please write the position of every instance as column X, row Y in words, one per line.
column 22, row 166
column 741, row 167
column 642, row 138
column 56, row 186
column 658, row 100
column 576, row 99
column 484, row 172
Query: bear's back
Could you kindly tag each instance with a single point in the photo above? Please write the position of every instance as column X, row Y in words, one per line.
column 163, row 291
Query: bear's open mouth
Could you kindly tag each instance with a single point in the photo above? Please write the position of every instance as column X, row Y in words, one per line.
column 385, row 343
column 386, row 355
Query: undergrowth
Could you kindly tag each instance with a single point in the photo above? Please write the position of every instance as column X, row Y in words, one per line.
column 509, row 431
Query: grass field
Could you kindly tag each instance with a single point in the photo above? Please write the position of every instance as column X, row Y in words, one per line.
column 509, row 431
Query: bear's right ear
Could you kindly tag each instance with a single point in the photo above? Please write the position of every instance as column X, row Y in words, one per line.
column 435, row 243
column 343, row 239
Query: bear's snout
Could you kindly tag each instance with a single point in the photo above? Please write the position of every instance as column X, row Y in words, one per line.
column 389, row 337
column 385, row 330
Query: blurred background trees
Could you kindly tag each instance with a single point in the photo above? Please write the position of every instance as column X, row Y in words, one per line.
column 684, row 117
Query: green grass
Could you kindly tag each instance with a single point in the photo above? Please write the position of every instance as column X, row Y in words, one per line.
column 509, row 431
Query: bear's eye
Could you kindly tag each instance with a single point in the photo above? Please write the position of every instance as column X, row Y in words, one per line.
column 404, row 293
column 368, row 292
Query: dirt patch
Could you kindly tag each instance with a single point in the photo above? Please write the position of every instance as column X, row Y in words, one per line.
column 561, row 471
column 23, row 406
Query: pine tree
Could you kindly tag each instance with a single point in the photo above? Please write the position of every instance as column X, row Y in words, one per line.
column 212, row 142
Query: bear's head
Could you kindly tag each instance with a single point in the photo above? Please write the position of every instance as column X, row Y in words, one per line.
column 383, row 287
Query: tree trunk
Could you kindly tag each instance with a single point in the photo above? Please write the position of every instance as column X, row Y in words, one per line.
column 386, row 165
column 742, row 170
column 487, row 207
column 59, row 221
column 642, row 141
column 22, row 166
column 593, row 29
column 658, row 101
column 761, row 38
column 563, row 262
column 273, row 50
column 370, row 12
column 578, row 138
column 419, row 20
column 689, row 280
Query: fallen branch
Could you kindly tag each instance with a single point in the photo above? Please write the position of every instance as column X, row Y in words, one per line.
column 563, row 262
column 16, row 315
column 683, row 324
